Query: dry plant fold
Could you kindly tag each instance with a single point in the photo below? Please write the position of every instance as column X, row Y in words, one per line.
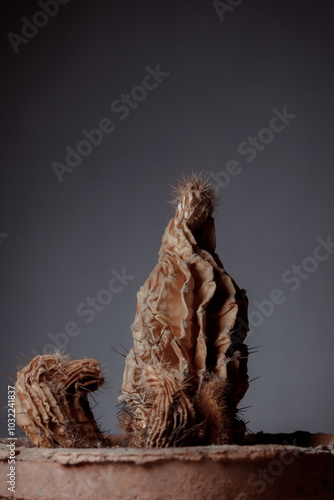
column 51, row 401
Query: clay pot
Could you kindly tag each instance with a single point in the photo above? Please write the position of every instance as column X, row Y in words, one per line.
column 228, row 472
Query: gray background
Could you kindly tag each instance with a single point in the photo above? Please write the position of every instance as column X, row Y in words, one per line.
column 110, row 212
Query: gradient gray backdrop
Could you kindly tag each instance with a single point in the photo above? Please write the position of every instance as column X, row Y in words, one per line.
column 64, row 239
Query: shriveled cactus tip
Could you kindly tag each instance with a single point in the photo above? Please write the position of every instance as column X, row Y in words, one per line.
column 199, row 183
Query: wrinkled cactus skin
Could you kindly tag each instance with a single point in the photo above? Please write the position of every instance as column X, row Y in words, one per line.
column 51, row 401
column 187, row 370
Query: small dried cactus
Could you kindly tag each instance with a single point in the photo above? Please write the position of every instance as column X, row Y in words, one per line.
column 187, row 370
column 51, row 401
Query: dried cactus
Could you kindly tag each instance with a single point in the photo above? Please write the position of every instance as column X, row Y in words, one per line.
column 51, row 401
column 187, row 370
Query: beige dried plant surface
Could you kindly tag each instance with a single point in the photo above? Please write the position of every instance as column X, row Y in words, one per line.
column 187, row 370
column 51, row 401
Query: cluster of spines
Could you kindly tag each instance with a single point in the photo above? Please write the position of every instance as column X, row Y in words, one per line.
column 197, row 182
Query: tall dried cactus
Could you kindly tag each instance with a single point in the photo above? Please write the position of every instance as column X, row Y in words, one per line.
column 187, row 370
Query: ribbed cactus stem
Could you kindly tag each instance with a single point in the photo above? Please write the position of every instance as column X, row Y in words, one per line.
column 187, row 370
